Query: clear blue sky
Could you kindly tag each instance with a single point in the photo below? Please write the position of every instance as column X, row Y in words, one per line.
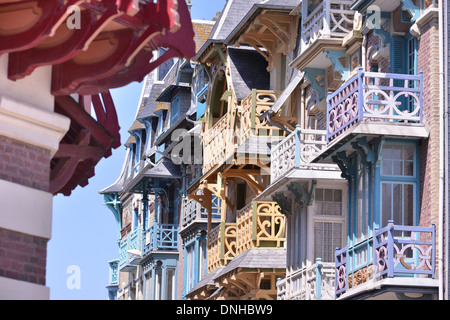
column 84, row 231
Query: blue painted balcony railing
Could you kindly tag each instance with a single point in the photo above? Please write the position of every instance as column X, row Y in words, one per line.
column 160, row 237
column 398, row 251
column 376, row 97
column 113, row 272
column 132, row 241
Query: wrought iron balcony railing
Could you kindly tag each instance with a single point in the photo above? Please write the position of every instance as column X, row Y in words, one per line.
column 331, row 19
column 296, row 151
column 160, row 236
column 398, row 251
column 133, row 241
column 315, row 282
column 375, row 97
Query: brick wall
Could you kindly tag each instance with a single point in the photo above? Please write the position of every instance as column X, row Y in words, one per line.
column 24, row 164
column 428, row 63
column 22, row 257
column 202, row 31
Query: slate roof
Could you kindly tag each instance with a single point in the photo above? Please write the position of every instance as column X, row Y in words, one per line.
column 150, row 103
column 231, row 15
column 164, row 169
column 248, row 71
column 253, row 12
column 117, row 186
column 208, row 280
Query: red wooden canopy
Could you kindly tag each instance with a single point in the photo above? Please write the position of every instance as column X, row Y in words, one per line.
column 92, row 46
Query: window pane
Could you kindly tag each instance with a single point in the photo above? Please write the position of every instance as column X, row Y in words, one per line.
column 319, row 195
column 328, row 195
column 331, row 204
column 398, row 160
column 386, row 196
column 409, row 168
column 397, row 168
column 387, row 167
column 337, row 195
column 408, row 205
column 387, row 152
column 409, row 152
column 397, row 202
column 397, row 152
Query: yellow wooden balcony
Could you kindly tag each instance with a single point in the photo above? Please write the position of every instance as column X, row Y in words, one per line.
column 260, row 224
column 221, row 141
column 221, row 245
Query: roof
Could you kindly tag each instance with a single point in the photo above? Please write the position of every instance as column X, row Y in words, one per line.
column 117, row 186
column 248, row 71
column 164, row 169
column 150, row 103
column 231, row 15
column 268, row 258
column 253, row 11
column 208, row 280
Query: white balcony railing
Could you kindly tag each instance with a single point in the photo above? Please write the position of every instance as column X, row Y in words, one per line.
column 298, row 150
column 315, row 282
column 330, row 19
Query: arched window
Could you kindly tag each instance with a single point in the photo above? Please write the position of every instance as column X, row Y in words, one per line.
column 218, row 106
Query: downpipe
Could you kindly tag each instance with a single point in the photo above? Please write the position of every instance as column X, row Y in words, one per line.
column 442, row 145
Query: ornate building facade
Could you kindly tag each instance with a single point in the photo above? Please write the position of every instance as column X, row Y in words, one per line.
column 311, row 161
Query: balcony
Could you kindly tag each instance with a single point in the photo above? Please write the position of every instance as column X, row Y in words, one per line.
column 160, row 237
column 133, row 241
column 399, row 252
column 113, row 272
column 221, row 245
column 331, row 19
column 389, row 104
column 297, row 151
column 259, row 224
column 194, row 212
column 303, row 284
column 222, row 140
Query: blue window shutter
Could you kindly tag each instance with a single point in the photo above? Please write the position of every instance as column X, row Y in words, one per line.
column 398, row 55
column 399, row 64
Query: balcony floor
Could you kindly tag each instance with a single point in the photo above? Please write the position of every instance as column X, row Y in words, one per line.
column 393, row 289
column 306, row 173
column 372, row 129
